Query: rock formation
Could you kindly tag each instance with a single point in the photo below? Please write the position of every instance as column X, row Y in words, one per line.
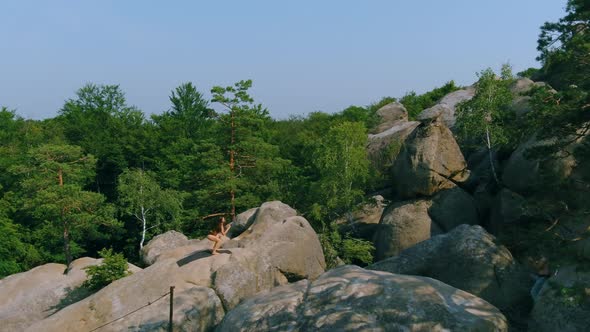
column 350, row 298
column 470, row 259
column 277, row 248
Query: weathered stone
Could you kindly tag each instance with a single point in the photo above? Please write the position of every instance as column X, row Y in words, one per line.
column 445, row 108
column 563, row 303
column 383, row 148
column 470, row 259
column 363, row 222
column 197, row 308
column 389, row 115
column 353, row 299
column 453, row 207
column 31, row 296
column 403, row 225
column 278, row 247
column 242, row 222
column 428, row 162
column 508, row 208
column 161, row 243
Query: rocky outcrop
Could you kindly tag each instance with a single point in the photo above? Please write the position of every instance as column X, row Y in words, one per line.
column 31, row 296
column 161, row 243
column 453, row 207
column 445, row 108
column 242, row 222
column 525, row 174
column 407, row 223
column 277, row 248
column 353, row 299
column 403, row 225
column 563, row 303
column 470, row 259
column 429, row 161
column 508, row 208
column 363, row 222
column 389, row 115
column 384, row 147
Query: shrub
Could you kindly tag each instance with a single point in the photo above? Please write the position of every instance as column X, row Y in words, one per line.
column 113, row 267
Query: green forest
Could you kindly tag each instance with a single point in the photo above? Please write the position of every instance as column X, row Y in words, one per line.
column 104, row 175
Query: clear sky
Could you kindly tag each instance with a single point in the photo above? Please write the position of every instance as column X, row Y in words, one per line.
column 303, row 56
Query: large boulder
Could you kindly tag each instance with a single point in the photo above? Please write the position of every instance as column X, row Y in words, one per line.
column 470, row 259
column 429, row 161
column 350, row 298
column 445, row 108
column 162, row 243
column 363, row 222
column 242, row 222
column 508, row 208
column 525, row 174
column 288, row 241
column 31, row 296
column 563, row 303
column 402, row 225
column 389, row 115
column 384, row 147
column 453, row 207
column 277, row 248
column 196, row 308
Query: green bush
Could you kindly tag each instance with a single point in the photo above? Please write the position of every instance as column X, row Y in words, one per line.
column 113, row 267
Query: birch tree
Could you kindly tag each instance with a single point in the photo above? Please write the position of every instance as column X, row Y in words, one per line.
column 487, row 118
column 141, row 197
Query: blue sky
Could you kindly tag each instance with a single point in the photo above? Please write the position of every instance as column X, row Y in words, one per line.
column 303, row 56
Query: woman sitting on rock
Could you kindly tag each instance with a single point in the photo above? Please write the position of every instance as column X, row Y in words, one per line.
column 217, row 234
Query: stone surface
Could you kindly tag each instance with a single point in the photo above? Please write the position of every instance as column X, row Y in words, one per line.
column 524, row 174
column 350, row 298
column 242, row 222
column 429, row 161
column 196, row 308
column 445, row 108
column 563, row 303
column 277, row 248
column 453, row 207
column 470, row 259
column 390, row 114
column 403, row 225
column 508, row 208
column 383, row 148
column 363, row 222
column 28, row 297
column 161, row 243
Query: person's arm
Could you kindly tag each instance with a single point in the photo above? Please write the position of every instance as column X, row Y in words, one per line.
column 226, row 229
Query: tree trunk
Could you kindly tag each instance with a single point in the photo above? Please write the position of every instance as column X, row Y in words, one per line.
column 489, row 145
column 143, row 231
column 232, row 166
column 67, row 245
column 60, row 177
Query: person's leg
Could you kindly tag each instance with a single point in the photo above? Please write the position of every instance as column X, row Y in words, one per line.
column 216, row 245
column 215, row 239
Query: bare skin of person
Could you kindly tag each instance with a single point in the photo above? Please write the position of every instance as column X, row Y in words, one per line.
column 217, row 234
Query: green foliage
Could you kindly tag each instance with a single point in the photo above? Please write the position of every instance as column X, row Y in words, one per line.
column 347, row 250
column 357, row 251
column 487, row 118
column 113, row 267
column 341, row 160
column 415, row 103
column 154, row 208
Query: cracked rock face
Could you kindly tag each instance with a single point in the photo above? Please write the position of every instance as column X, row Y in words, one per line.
column 429, row 161
column 470, row 259
column 350, row 298
column 277, row 248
